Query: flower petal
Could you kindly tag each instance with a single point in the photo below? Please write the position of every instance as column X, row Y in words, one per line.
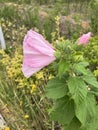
column 38, row 60
column 37, row 42
column 38, row 53
column 28, row 71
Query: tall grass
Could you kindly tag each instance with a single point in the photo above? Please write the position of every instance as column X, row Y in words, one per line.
column 21, row 108
column 9, row 12
column 29, row 15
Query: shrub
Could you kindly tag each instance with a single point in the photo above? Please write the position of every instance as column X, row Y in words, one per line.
column 94, row 16
column 74, row 88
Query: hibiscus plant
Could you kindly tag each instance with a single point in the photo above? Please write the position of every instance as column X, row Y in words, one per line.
column 74, row 87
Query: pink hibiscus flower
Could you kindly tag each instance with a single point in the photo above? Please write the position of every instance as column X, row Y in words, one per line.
column 38, row 53
column 84, row 39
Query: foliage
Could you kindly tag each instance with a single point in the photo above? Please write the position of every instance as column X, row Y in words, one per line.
column 94, row 16
column 9, row 13
column 20, row 14
column 74, row 88
column 13, row 33
column 31, row 18
column 91, row 55
column 22, row 98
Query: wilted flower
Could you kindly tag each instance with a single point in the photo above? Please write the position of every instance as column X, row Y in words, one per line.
column 38, row 53
column 84, row 39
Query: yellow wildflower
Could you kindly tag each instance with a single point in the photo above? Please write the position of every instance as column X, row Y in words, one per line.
column 33, row 89
column 26, row 116
column 7, row 128
column 51, row 76
column 57, row 18
column 39, row 75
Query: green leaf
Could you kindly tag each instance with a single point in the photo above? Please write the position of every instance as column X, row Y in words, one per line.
column 63, row 67
column 91, row 106
column 81, row 112
column 80, row 68
column 77, row 89
column 90, row 79
column 86, row 110
column 74, row 125
column 63, row 111
column 85, row 64
column 56, row 88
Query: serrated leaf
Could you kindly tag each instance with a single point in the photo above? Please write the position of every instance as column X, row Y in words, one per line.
column 85, row 64
column 77, row 89
column 56, row 88
column 91, row 80
column 81, row 112
column 80, row 68
column 91, row 105
column 85, row 111
column 74, row 125
column 63, row 111
column 63, row 67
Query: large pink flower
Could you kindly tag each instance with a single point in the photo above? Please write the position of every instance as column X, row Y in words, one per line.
column 38, row 53
column 84, row 39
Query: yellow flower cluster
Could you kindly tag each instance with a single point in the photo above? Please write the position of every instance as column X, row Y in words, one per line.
column 11, row 32
column 5, row 58
column 57, row 21
column 33, row 88
column 13, row 66
column 39, row 75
